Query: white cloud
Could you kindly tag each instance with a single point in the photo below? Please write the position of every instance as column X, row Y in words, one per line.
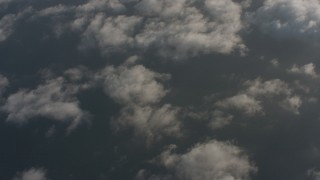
column 54, row 99
column 8, row 22
column 251, row 100
column 4, row 82
column 242, row 102
column 175, row 29
column 133, row 84
column 275, row 62
column 111, row 33
column 219, row 119
column 267, row 88
column 139, row 91
column 289, row 18
column 292, row 104
column 31, row 174
column 109, row 6
column 184, row 30
column 307, row 69
column 54, row 10
column 211, row 160
column 153, row 122
column 6, row 26
column 313, row 174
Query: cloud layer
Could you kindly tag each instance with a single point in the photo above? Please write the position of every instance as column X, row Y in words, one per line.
column 211, row 160
column 31, row 174
column 140, row 91
column 54, row 100
column 240, row 101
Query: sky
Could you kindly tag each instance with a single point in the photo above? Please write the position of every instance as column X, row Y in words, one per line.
column 159, row 89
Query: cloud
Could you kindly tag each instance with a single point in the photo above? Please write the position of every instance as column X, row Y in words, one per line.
column 242, row 102
column 133, row 84
column 31, row 174
column 6, row 26
column 153, row 122
column 54, row 99
column 313, row 174
column 211, row 160
column 139, row 90
column 251, row 100
column 292, row 104
column 175, row 29
column 111, row 6
column 9, row 21
column 289, row 18
column 111, row 33
column 4, row 82
column 255, row 98
column 219, row 119
column 183, row 29
column 269, row 88
column 307, row 70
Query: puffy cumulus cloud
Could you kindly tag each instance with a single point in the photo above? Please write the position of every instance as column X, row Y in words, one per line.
column 242, row 102
column 4, row 82
column 175, row 29
column 139, row 91
column 8, row 22
column 267, row 88
column 307, row 69
column 257, row 93
column 54, row 10
column 219, row 119
column 80, row 77
column 112, row 6
column 257, row 98
column 289, row 18
column 153, row 122
column 211, row 160
column 31, row 174
column 111, row 33
column 313, row 174
column 6, row 26
column 292, row 104
column 214, row 118
column 54, row 99
column 178, row 28
column 133, row 84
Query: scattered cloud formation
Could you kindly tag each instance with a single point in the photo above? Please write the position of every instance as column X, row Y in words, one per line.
column 8, row 22
column 242, row 102
column 219, row 119
column 211, row 160
column 140, row 91
column 54, row 99
column 4, row 82
column 292, row 104
column 307, row 69
column 313, row 174
column 289, row 18
column 149, row 73
column 31, row 174
column 174, row 29
column 153, row 122
column 133, row 84
column 250, row 101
